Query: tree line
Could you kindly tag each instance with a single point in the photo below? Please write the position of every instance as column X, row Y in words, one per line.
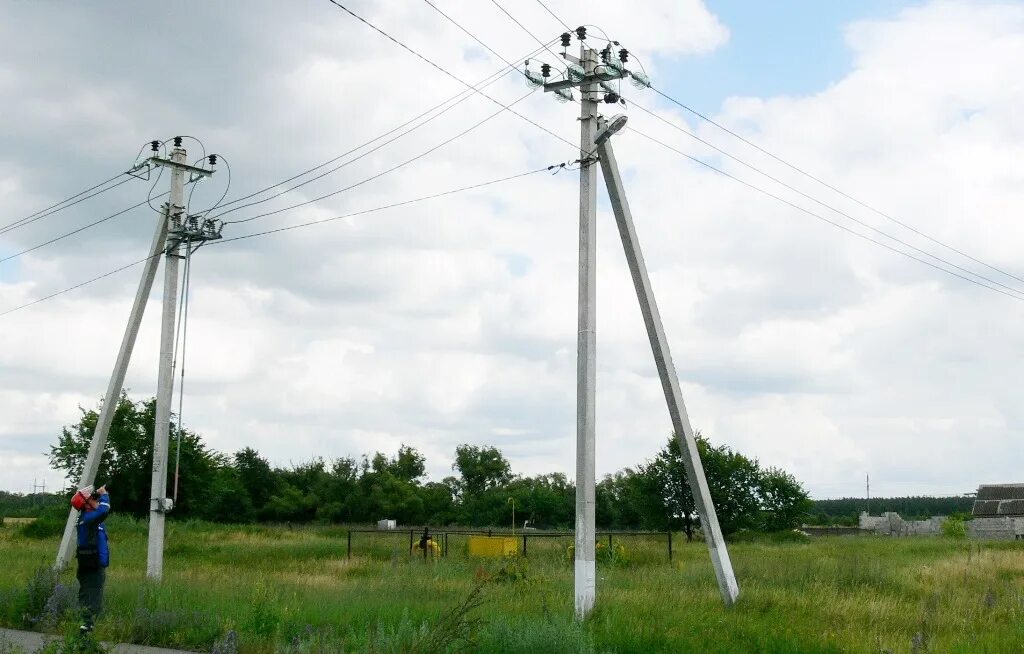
column 846, row 511
column 244, row 487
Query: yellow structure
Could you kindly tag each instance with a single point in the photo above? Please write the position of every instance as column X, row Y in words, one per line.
column 493, row 546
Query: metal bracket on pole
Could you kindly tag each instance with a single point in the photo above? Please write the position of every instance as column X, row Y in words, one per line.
column 727, row 584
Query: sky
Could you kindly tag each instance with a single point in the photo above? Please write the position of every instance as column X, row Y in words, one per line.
column 453, row 320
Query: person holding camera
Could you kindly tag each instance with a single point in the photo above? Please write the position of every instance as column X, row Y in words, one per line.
column 93, row 550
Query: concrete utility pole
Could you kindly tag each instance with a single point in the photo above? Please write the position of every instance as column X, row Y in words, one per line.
column 176, row 227
column 159, row 504
column 666, row 370
column 110, row 400
column 586, row 349
column 590, row 74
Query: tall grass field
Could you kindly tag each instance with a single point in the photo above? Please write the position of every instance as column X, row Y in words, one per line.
column 271, row 589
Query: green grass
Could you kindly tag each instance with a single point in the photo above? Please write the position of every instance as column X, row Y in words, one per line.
column 287, row 590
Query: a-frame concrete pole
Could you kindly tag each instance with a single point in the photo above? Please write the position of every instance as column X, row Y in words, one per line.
column 110, row 400
column 669, row 381
column 165, row 381
column 586, row 350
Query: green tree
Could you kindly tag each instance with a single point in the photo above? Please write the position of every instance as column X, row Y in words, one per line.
column 481, row 468
column 784, row 502
column 256, row 476
column 745, row 496
column 127, row 460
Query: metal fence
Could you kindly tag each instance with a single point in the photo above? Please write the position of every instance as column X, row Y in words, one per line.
column 391, row 542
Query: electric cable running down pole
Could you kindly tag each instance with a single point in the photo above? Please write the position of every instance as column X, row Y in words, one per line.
column 174, row 228
column 591, row 72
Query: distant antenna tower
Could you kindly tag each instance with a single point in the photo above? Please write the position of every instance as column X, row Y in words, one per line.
column 867, row 484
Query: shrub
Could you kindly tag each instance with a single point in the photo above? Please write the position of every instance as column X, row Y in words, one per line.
column 50, row 523
column 616, row 554
column 955, row 526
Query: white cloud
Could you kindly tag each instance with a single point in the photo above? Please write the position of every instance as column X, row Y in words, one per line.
column 454, row 320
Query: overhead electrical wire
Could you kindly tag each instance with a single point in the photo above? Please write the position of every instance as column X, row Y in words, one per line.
column 445, row 71
column 389, row 170
column 832, row 187
column 1009, row 290
column 820, row 202
column 464, row 95
column 61, row 206
column 288, row 228
column 553, row 15
column 16, row 223
column 1017, row 295
column 457, row 98
column 524, row 28
column 357, row 158
column 73, row 232
column 388, row 206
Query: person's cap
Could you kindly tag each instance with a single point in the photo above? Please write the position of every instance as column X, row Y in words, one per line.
column 78, row 501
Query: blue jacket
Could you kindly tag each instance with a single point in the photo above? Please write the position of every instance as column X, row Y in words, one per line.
column 90, row 520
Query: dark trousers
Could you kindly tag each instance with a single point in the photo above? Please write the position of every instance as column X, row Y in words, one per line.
column 90, row 593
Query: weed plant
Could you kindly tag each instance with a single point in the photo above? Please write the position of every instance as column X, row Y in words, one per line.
column 260, row 589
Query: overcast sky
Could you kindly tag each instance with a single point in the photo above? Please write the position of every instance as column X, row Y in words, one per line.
column 454, row 320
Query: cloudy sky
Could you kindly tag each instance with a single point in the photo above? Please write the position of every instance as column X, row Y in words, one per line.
column 454, row 320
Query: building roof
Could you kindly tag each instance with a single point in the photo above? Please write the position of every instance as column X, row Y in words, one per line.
column 999, row 500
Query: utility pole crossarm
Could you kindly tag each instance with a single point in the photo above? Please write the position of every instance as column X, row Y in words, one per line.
column 606, row 76
column 180, row 165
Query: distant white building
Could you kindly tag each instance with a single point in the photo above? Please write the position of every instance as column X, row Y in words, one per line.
column 998, row 512
column 387, row 524
column 891, row 523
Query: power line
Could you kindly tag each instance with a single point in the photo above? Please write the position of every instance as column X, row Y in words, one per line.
column 1014, row 294
column 357, row 158
column 57, row 204
column 446, row 72
column 553, row 15
column 473, row 36
column 289, row 228
column 80, row 285
column 387, row 206
column 493, row 77
column 823, row 204
column 60, row 206
column 831, row 187
column 376, row 138
column 389, row 170
column 524, row 28
column 76, row 231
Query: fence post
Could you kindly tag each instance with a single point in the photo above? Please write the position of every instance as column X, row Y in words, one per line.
column 670, row 545
column 446, row 544
column 609, row 544
column 488, row 533
column 410, row 541
column 524, row 544
column 349, row 555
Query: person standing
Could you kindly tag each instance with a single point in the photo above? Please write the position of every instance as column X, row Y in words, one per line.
column 93, row 551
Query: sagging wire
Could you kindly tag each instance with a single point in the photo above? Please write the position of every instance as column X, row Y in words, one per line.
column 213, row 161
column 181, row 338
